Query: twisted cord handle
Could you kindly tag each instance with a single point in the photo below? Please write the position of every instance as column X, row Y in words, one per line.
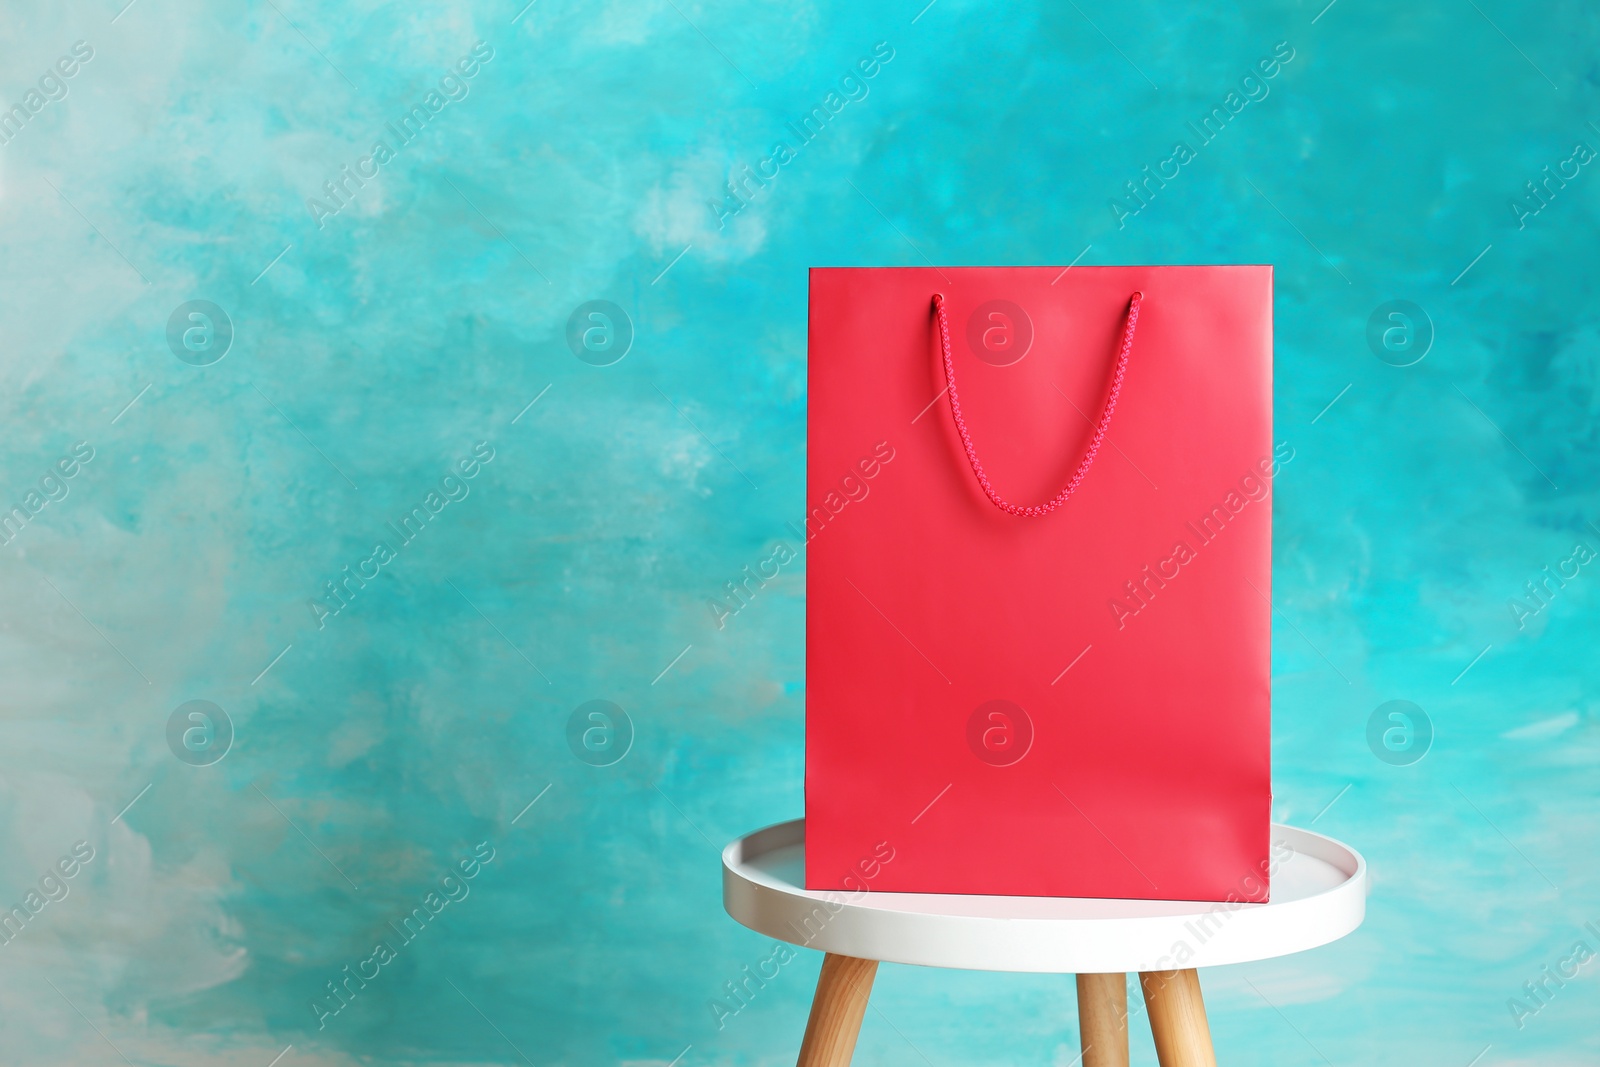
column 1094, row 442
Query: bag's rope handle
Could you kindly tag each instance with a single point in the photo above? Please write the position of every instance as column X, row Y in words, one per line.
column 1094, row 442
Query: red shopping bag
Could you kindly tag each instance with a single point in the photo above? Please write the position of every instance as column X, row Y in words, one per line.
column 1038, row 632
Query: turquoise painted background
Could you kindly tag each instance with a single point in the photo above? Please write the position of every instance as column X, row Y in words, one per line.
column 384, row 333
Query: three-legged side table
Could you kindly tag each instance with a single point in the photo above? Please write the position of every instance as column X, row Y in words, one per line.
column 1319, row 890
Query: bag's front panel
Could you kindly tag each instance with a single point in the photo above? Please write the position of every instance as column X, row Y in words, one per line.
column 1073, row 704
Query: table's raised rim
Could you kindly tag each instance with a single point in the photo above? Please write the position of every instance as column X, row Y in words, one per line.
column 1314, row 904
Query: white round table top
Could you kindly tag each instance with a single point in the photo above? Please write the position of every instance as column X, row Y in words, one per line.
column 1319, row 894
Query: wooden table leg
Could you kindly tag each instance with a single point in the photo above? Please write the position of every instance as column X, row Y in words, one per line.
column 836, row 1011
column 1178, row 1018
column 1103, row 1019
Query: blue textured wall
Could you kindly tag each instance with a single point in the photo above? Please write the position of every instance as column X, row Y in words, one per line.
column 382, row 333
